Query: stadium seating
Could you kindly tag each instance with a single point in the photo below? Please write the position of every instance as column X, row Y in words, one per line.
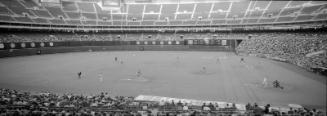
column 168, row 11
column 36, row 37
column 219, row 13
column 202, row 11
column 304, row 17
column 4, row 11
column 86, row 7
column 42, row 13
column 23, row 19
column 290, row 11
column 56, row 12
column 73, row 15
column 69, row 6
column 310, row 9
column 15, row 102
column 292, row 47
column 102, row 14
column 238, row 9
column 41, row 20
column 16, row 7
column 135, row 11
column 257, row 8
column 6, row 18
column 285, row 19
column 57, row 21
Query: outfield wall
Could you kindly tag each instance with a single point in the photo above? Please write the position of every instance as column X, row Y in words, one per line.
column 33, row 48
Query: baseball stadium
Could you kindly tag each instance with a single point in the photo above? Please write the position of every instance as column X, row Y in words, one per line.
column 163, row 58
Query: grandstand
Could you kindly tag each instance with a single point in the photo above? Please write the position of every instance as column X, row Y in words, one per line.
column 191, row 57
column 133, row 13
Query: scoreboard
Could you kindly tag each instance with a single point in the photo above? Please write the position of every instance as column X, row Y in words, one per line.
column 216, row 42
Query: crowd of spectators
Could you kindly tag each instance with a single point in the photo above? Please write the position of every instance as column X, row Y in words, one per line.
column 14, row 103
column 59, row 37
column 290, row 47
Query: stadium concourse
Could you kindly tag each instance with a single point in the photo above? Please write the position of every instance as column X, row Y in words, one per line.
column 163, row 57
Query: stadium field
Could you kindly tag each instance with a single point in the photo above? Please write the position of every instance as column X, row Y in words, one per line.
column 218, row 76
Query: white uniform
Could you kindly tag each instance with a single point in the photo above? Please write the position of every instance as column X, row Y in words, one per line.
column 264, row 82
column 100, row 77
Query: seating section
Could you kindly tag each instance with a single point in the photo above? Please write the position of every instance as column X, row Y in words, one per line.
column 42, row 37
column 311, row 9
column 4, row 11
column 188, row 13
column 89, row 16
column 267, row 20
column 152, row 8
column 238, row 9
column 69, row 6
column 23, row 19
column 250, row 21
column 102, row 14
column 202, row 10
column 291, row 47
column 42, row 13
column 6, row 18
column 26, row 103
column 285, row 19
column 57, row 21
column 168, row 11
column 290, row 11
column 16, row 7
column 297, row 3
column 184, row 11
column 73, row 22
column 56, row 12
column 220, row 9
column 119, row 17
column 41, row 20
column 29, row 4
column 135, row 11
column 86, row 7
column 73, row 15
column 275, row 8
column 304, row 18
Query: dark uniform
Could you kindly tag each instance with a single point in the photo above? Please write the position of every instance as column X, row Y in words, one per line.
column 79, row 75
